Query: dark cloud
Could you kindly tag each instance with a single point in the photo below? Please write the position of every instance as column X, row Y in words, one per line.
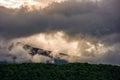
column 98, row 20
column 71, row 8
column 71, row 16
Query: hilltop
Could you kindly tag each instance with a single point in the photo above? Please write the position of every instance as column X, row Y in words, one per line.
column 71, row 71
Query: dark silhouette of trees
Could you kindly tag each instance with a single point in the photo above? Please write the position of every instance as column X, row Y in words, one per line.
column 72, row 71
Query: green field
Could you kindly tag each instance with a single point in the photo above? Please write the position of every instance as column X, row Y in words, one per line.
column 72, row 71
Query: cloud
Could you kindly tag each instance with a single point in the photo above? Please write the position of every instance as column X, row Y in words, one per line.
column 74, row 49
column 110, row 57
column 69, row 16
column 87, row 20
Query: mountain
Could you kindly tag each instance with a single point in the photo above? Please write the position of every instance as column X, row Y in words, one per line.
column 72, row 71
column 34, row 51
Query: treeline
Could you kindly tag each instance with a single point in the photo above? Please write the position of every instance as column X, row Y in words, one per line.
column 72, row 71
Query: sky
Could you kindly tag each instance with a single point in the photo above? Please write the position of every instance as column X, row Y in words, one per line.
column 86, row 30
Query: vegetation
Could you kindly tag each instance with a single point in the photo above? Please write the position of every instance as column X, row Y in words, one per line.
column 72, row 71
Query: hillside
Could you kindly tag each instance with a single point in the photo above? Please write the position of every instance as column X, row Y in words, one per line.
column 73, row 71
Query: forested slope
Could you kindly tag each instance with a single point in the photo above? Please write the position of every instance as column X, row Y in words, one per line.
column 72, row 71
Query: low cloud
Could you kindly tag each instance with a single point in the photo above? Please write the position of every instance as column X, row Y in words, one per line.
column 73, row 49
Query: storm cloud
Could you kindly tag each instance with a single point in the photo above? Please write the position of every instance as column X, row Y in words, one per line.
column 71, row 16
column 82, row 19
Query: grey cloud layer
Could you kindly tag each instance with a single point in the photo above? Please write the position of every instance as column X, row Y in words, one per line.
column 71, row 16
column 100, row 21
